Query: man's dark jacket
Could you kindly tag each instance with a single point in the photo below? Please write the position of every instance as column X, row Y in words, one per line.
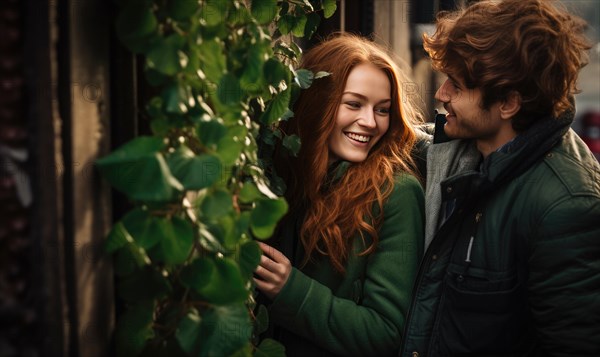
column 514, row 268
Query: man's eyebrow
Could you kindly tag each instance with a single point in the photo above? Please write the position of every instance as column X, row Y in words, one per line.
column 365, row 98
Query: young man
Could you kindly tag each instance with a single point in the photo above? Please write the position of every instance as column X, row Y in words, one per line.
column 513, row 204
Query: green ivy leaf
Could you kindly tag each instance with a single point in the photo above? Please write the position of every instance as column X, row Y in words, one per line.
column 275, row 72
column 198, row 273
column 229, row 90
column 142, row 227
column 292, row 143
column 276, row 108
column 160, row 126
column 145, row 284
column 225, row 329
column 299, row 25
column 154, row 77
column 263, row 185
column 195, row 172
column 212, row 59
column 217, row 204
column 321, row 74
column 218, row 280
column 270, row 348
column 177, row 239
column 139, row 146
column 245, row 351
column 253, row 70
column 180, row 10
column 220, row 31
column 229, row 150
column 312, row 23
column 227, row 285
column 179, row 158
column 262, row 319
column 230, row 146
column 117, row 238
column 211, row 131
column 285, row 50
column 188, row 332
column 329, row 7
column 135, row 26
column 242, row 223
column 140, row 171
column 175, row 98
column 154, row 108
column 264, row 11
column 231, row 236
column 239, row 16
column 164, row 56
column 250, row 254
column 265, row 215
column 288, row 114
column 297, row 50
column 129, row 258
column 286, row 24
column 134, row 329
column 249, row 193
column 296, row 90
column 214, row 12
column 304, row 78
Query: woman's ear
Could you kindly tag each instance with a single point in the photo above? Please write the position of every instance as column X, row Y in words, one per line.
column 510, row 106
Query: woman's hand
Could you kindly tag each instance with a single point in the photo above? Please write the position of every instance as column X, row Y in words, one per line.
column 272, row 272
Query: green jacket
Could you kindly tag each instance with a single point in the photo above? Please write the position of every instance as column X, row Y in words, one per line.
column 514, row 269
column 320, row 312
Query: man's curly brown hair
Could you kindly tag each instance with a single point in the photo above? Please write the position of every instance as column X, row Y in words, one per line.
column 533, row 47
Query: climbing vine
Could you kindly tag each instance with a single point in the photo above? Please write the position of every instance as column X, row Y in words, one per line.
column 225, row 73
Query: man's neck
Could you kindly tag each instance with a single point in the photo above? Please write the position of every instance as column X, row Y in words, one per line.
column 488, row 146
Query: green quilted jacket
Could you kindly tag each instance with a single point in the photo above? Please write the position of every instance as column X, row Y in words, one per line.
column 512, row 266
column 320, row 312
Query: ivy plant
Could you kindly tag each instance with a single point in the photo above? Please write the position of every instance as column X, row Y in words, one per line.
column 224, row 73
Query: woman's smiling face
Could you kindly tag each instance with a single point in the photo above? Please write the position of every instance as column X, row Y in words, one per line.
column 363, row 116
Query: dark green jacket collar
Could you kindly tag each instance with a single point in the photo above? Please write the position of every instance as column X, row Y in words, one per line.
column 501, row 167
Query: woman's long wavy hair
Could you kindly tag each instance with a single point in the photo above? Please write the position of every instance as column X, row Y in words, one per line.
column 533, row 47
column 338, row 210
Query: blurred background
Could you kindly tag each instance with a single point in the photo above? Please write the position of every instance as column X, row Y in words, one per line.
column 70, row 93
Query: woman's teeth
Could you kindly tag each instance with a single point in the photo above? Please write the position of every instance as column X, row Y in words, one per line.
column 361, row 138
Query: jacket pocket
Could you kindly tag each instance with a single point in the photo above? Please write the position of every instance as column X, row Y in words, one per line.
column 483, row 313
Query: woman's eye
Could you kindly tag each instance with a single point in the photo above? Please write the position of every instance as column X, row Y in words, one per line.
column 383, row 111
column 353, row 105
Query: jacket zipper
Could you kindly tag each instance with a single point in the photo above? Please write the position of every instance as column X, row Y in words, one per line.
column 424, row 262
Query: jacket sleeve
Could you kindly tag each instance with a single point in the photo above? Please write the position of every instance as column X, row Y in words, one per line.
column 374, row 326
column 564, row 278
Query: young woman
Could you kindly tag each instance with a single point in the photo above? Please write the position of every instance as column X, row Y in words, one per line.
column 341, row 271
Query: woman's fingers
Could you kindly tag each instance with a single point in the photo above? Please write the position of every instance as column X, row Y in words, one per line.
column 273, row 271
column 273, row 253
column 263, row 286
column 265, row 274
column 272, row 266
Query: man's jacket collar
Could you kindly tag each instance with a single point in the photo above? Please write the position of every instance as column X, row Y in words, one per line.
column 501, row 167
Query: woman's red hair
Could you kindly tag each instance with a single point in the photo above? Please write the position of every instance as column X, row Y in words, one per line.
column 337, row 211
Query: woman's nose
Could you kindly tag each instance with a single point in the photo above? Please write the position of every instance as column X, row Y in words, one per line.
column 367, row 118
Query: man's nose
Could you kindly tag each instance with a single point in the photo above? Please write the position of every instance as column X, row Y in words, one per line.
column 442, row 93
